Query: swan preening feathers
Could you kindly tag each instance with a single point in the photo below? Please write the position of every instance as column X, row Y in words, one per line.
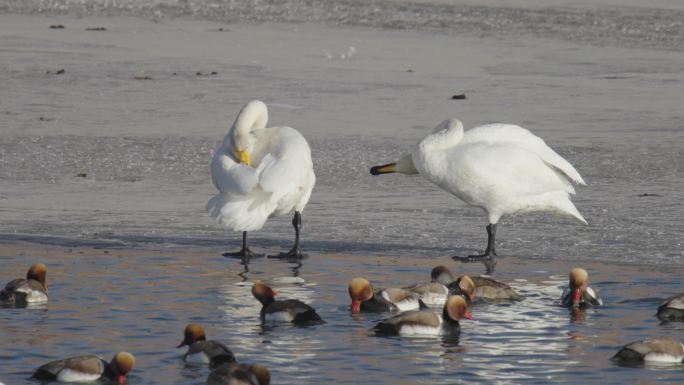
column 501, row 168
column 260, row 172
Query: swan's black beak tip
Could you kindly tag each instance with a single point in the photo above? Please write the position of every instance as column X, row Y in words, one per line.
column 384, row 169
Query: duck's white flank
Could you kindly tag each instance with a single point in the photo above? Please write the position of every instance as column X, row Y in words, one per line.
column 70, row 375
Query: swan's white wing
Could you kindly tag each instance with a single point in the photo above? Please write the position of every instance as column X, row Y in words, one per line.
column 281, row 182
column 503, row 168
column 240, row 212
column 241, row 204
column 504, row 178
column 287, row 170
column 230, row 176
column 513, row 134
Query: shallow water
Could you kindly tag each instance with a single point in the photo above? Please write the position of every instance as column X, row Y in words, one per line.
column 106, row 300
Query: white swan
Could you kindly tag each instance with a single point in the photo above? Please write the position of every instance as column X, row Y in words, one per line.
column 501, row 168
column 260, row 172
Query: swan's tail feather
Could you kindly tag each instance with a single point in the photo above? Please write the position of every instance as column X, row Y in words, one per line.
column 562, row 165
column 558, row 201
column 566, row 206
column 240, row 213
column 572, row 210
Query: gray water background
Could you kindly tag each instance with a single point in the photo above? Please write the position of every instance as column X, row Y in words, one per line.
column 141, row 302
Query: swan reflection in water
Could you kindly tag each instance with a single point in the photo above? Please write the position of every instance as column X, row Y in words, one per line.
column 296, row 266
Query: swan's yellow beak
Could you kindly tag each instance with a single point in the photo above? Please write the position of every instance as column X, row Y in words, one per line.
column 243, row 157
column 384, row 169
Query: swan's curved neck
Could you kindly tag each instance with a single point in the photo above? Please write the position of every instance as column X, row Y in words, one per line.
column 430, row 153
column 253, row 117
column 447, row 134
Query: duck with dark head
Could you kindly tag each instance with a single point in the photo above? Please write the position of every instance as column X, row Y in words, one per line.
column 22, row 292
column 87, row 369
column 201, row 350
column 427, row 322
column 227, row 372
column 579, row 294
column 289, row 310
column 366, row 299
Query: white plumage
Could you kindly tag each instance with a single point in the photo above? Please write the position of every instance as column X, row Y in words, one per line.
column 197, row 358
column 33, row 296
column 71, row 375
column 664, row 358
column 278, row 317
column 260, row 172
column 422, row 330
column 501, row 168
column 406, row 304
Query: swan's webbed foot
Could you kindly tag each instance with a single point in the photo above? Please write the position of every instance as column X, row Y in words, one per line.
column 474, row 258
column 244, row 254
column 489, row 255
column 295, row 254
column 488, row 259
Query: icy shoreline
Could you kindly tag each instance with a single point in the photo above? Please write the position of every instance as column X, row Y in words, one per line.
column 117, row 147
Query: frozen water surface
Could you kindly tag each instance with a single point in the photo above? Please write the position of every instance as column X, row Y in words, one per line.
column 138, row 118
column 114, row 153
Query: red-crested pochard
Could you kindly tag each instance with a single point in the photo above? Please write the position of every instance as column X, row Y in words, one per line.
column 435, row 292
column 463, row 286
column 486, row 288
column 655, row 350
column 32, row 290
column 289, row 310
column 87, row 369
column 672, row 309
column 364, row 298
column 578, row 293
column 201, row 350
column 427, row 322
column 226, row 372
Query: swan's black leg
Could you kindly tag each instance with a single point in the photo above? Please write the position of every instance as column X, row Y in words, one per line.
column 245, row 253
column 295, row 252
column 489, row 254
